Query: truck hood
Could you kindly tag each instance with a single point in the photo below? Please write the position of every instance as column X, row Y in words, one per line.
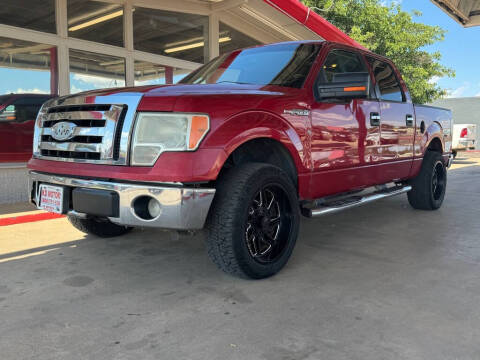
column 191, row 98
column 198, row 89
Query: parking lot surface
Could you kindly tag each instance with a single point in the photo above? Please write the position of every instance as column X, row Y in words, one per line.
column 377, row 282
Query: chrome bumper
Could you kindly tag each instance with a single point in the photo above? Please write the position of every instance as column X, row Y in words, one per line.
column 182, row 208
column 464, row 144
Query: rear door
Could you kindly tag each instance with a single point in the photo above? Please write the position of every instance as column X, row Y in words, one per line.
column 397, row 130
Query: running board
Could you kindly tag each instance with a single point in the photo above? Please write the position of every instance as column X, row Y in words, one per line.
column 354, row 201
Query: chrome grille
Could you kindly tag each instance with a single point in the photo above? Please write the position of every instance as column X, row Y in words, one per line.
column 98, row 132
column 93, row 134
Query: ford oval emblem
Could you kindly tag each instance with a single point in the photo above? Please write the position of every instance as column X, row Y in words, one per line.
column 63, row 130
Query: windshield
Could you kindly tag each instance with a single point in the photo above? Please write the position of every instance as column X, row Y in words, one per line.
column 282, row 64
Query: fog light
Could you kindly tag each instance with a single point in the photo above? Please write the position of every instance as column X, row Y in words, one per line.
column 154, row 208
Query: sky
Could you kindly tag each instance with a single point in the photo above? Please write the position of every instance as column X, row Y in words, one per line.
column 460, row 51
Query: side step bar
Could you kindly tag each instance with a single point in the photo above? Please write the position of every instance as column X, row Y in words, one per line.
column 354, row 201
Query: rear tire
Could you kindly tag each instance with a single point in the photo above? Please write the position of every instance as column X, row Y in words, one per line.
column 428, row 188
column 99, row 227
column 254, row 220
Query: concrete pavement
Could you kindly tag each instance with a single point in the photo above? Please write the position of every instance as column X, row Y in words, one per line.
column 378, row 282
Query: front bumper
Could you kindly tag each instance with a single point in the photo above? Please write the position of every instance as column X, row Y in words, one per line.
column 182, row 208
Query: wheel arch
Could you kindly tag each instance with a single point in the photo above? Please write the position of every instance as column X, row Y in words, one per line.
column 434, row 138
column 435, row 144
column 263, row 149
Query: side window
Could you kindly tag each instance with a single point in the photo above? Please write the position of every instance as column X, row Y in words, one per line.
column 387, row 81
column 27, row 107
column 341, row 62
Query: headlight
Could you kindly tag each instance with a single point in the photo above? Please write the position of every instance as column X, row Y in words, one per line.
column 159, row 132
column 41, row 117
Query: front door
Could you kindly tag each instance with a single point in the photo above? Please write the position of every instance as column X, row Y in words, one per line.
column 345, row 134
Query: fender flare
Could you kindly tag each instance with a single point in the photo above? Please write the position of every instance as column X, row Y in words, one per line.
column 250, row 125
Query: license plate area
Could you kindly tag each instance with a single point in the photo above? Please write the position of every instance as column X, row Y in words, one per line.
column 52, row 198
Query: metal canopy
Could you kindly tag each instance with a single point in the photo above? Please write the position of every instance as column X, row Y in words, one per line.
column 465, row 12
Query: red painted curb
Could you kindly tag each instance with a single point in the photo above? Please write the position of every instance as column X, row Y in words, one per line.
column 28, row 218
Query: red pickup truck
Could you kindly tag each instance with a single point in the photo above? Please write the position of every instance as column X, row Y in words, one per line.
column 17, row 117
column 243, row 146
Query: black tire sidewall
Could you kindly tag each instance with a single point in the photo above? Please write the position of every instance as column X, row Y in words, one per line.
column 103, row 229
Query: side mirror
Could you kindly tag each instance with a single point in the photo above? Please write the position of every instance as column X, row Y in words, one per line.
column 16, row 114
column 346, row 86
column 9, row 114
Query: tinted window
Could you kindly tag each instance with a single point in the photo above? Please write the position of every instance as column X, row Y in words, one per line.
column 387, row 81
column 90, row 70
column 176, row 34
column 35, row 15
column 232, row 39
column 28, row 107
column 341, row 62
column 4, row 99
column 31, row 100
column 283, row 65
column 95, row 21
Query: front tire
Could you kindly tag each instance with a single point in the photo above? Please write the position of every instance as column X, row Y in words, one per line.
column 100, row 227
column 428, row 188
column 254, row 221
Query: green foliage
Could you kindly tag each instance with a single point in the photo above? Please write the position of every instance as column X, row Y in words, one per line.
column 389, row 31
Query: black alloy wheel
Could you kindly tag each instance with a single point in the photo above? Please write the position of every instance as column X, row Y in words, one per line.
column 439, row 180
column 268, row 224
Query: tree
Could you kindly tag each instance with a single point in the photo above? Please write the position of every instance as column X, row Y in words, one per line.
column 387, row 30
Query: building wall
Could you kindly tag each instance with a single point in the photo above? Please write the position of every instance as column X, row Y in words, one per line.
column 13, row 183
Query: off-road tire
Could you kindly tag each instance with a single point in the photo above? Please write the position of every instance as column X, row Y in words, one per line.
column 231, row 212
column 423, row 195
column 99, row 227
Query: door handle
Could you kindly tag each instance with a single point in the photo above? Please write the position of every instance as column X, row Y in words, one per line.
column 374, row 119
column 409, row 120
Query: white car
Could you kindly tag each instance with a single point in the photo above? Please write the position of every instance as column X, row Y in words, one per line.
column 464, row 137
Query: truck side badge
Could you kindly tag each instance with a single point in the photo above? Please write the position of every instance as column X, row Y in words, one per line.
column 297, row 112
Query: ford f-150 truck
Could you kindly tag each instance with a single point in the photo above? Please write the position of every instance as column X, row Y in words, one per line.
column 242, row 146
